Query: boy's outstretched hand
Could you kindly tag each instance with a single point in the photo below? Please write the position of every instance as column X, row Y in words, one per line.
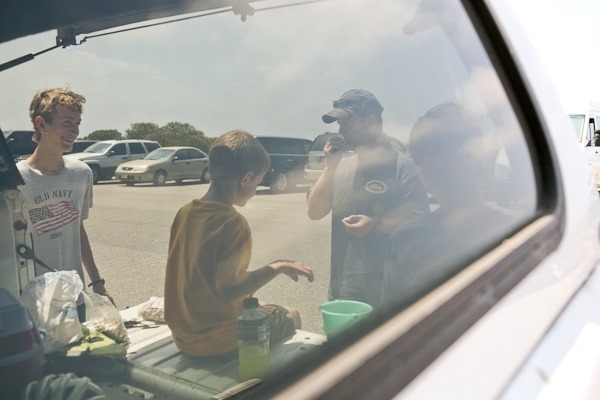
column 260, row 277
column 293, row 269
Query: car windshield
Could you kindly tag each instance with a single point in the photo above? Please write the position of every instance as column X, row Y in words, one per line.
column 578, row 120
column 467, row 187
column 98, row 148
column 159, row 154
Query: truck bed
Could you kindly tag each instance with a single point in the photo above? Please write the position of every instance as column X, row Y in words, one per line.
column 156, row 369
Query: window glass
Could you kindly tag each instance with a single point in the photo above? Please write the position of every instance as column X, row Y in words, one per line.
column 22, row 136
column 136, row 148
column 277, row 146
column 195, row 154
column 270, row 144
column 159, row 154
column 289, row 146
column 181, row 154
column 79, row 146
column 442, row 101
column 21, row 143
column 578, row 121
column 99, row 148
column 294, row 146
column 151, row 146
column 320, row 141
column 456, row 180
column 264, row 142
column 119, row 149
column 306, row 146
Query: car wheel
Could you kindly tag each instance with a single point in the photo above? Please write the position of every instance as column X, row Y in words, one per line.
column 95, row 173
column 160, row 178
column 280, row 183
column 205, row 177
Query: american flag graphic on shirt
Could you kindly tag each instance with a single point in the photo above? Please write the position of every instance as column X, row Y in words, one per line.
column 53, row 216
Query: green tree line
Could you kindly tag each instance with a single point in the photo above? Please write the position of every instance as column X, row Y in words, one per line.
column 171, row 134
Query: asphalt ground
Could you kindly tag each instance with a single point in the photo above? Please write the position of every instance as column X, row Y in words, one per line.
column 129, row 228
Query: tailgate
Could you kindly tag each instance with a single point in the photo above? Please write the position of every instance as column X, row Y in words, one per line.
column 156, row 369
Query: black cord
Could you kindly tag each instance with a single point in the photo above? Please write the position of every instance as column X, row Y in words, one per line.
column 198, row 16
column 151, row 25
column 23, row 59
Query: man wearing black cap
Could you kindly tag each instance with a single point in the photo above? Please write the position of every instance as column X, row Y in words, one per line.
column 369, row 193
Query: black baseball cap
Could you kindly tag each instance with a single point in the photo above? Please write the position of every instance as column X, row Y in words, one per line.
column 353, row 102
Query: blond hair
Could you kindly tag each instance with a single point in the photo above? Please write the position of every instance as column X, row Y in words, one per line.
column 45, row 103
column 234, row 154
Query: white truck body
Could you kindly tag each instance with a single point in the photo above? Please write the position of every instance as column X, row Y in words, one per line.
column 586, row 122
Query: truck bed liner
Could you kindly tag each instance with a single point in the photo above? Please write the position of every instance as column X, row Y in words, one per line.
column 157, row 369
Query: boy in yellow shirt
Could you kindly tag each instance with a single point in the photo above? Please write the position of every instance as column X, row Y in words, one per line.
column 207, row 275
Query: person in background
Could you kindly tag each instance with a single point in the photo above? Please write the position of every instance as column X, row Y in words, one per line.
column 596, row 141
column 368, row 193
column 447, row 145
column 210, row 246
column 58, row 190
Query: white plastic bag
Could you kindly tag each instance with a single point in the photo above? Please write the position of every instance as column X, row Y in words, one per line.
column 52, row 300
column 103, row 316
column 153, row 310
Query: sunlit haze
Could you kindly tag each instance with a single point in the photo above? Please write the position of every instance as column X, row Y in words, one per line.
column 170, row 73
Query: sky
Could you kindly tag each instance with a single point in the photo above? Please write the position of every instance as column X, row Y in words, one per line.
column 142, row 76
column 565, row 35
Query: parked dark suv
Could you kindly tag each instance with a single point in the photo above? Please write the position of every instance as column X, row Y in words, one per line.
column 21, row 144
column 288, row 158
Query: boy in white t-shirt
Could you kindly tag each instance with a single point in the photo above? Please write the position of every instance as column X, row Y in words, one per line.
column 58, row 190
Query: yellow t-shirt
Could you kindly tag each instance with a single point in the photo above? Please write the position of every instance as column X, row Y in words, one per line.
column 209, row 249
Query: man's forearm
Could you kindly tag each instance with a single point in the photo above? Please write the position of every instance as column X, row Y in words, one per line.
column 320, row 196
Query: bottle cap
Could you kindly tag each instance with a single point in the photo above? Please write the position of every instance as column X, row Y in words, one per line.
column 251, row 302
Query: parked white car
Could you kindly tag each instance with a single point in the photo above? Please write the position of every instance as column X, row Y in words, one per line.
column 510, row 313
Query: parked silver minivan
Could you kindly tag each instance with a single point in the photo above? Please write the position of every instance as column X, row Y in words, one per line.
column 105, row 156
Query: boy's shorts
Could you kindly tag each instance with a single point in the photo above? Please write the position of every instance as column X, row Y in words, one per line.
column 282, row 324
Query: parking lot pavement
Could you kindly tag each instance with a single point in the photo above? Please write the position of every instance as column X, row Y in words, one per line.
column 129, row 233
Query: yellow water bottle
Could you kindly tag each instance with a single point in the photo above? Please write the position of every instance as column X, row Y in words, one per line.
column 253, row 339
